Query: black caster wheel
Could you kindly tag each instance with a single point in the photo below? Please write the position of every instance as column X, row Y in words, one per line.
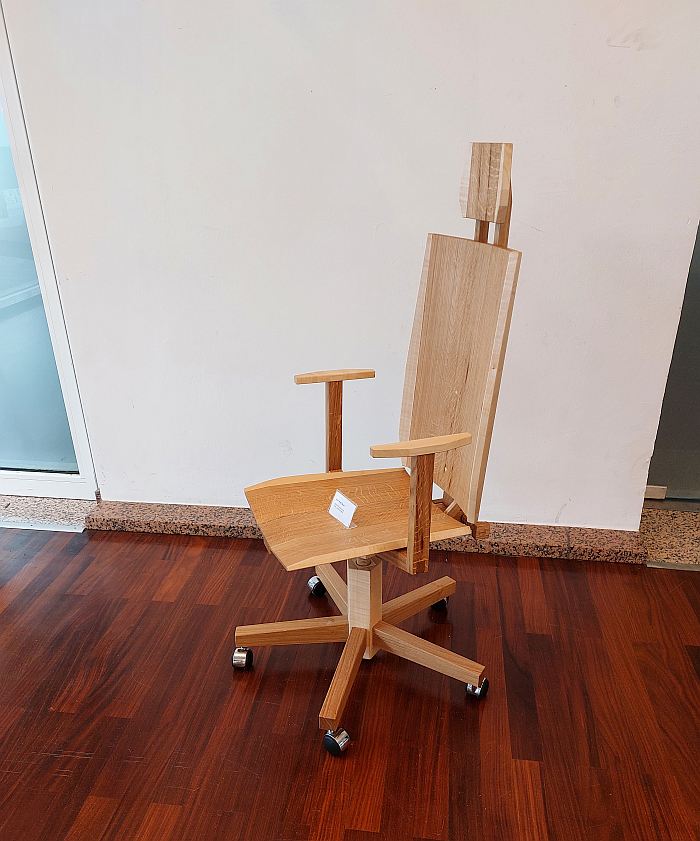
column 317, row 586
column 336, row 741
column 480, row 690
column 242, row 659
column 441, row 605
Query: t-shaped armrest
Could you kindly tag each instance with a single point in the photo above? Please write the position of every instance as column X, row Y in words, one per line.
column 334, row 407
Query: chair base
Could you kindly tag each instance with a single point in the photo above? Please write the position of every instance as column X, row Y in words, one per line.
column 366, row 625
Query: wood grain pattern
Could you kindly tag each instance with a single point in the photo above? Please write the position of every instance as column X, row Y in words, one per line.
column 343, row 679
column 121, row 715
column 481, row 231
column 365, row 596
column 426, row 654
column 411, row 603
column 293, row 513
column 422, row 446
column 502, row 230
column 334, row 426
column 420, row 506
column 456, row 359
column 338, row 375
column 480, row 530
column 294, row 632
column 485, row 190
column 334, row 584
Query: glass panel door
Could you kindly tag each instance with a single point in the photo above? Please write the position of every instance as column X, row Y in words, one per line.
column 34, row 430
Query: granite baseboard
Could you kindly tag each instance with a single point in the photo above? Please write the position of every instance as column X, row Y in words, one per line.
column 671, row 537
column 505, row 538
column 34, row 512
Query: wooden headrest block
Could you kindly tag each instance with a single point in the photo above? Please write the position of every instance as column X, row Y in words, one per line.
column 485, row 189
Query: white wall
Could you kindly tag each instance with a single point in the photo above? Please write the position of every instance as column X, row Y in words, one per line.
column 239, row 191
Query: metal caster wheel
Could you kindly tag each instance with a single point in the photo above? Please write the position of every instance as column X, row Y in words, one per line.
column 479, row 691
column 242, row 658
column 336, row 741
column 317, row 586
column 441, row 605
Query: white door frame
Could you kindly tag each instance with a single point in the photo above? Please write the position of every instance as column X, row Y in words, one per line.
column 21, row 482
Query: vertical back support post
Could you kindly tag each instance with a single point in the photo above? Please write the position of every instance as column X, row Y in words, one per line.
column 334, row 426
column 501, row 231
column 481, row 231
column 418, row 548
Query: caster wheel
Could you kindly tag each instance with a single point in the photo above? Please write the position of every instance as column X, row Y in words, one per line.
column 441, row 605
column 479, row 691
column 242, row 659
column 336, row 741
column 317, row 586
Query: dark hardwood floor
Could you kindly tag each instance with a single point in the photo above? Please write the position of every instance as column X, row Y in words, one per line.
column 121, row 718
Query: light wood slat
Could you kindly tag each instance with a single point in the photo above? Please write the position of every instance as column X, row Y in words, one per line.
column 296, row 632
column 334, row 425
column 334, row 376
column 343, row 679
column 502, row 230
column 481, row 231
column 334, row 584
column 452, row 385
column 485, row 189
column 397, row 557
column 419, row 509
column 422, row 446
column 402, row 607
column 426, row 654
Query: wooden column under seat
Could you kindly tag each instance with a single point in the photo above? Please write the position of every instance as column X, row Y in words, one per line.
column 365, row 597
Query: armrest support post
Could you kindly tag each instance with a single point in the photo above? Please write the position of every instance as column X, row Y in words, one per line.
column 419, row 507
column 334, row 407
column 334, row 426
column 420, row 453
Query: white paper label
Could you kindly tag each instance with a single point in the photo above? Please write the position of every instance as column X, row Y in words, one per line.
column 342, row 508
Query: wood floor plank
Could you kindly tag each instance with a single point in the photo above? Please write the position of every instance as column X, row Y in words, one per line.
column 526, row 743
column 529, row 805
column 536, row 613
column 93, row 819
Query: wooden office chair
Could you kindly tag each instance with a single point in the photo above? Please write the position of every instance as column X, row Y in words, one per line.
column 453, row 372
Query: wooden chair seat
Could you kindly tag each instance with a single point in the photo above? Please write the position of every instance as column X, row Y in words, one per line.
column 293, row 516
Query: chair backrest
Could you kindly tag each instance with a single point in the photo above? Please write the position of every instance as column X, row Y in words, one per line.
column 459, row 336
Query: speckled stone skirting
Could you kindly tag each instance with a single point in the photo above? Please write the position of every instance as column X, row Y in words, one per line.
column 671, row 537
column 505, row 539
column 32, row 512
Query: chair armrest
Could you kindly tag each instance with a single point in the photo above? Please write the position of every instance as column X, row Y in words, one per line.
column 421, row 446
column 334, row 376
column 334, row 407
column 421, row 455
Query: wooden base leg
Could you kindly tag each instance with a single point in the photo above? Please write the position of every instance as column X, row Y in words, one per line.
column 343, row 679
column 426, row 654
column 334, row 584
column 298, row 631
column 404, row 606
